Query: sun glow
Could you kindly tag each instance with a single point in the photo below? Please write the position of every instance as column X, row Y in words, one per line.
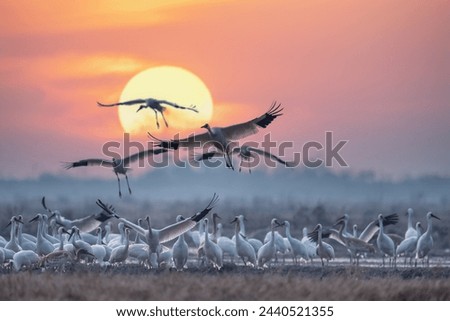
column 169, row 83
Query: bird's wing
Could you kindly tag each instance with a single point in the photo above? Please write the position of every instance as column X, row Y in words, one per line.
column 145, row 153
column 208, row 155
column 192, row 107
column 110, row 210
column 129, row 102
column 359, row 245
column 268, row 155
column 334, row 235
column 195, row 140
column 373, row 227
column 89, row 162
column 173, row 231
column 314, row 235
column 242, row 130
column 89, row 223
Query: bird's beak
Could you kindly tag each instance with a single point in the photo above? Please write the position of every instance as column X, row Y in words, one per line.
column 51, row 216
column 204, row 126
column 340, row 218
column 432, row 215
column 140, row 107
column 234, row 220
column 278, row 223
column 19, row 220
column 33, row 219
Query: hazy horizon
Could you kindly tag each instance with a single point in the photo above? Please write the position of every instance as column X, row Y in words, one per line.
column 373, row 73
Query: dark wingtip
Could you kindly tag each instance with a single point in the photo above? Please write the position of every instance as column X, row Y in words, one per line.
column 274, row 111
column 313, row 236
column 197, row 217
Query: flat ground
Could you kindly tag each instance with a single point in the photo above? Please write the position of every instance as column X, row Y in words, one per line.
column 134, row 282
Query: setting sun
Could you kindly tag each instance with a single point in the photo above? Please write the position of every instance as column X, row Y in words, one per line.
column 173, row 84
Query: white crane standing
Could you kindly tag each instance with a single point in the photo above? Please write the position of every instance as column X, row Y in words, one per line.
column 243, row 248
column 385, row 244
column 268, row 250
column 212, row 251
column 323, row 249
column 425, row 242
column 180, row 250
column 410, row 231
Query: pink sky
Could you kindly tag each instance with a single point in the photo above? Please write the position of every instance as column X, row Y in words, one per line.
column 376, row 73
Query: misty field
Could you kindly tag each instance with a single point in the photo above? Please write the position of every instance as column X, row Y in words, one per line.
column 283, row 283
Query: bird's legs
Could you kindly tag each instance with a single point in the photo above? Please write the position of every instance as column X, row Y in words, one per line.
column 156, row 116
column 241, row 164
column 128, row 183
column 164, row 118
column 118, row 181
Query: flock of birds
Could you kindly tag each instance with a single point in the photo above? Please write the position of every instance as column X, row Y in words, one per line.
column 200, row 241
column 223, row 140
column 90, row 240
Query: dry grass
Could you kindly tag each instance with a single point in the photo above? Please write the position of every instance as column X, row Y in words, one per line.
column 284, row 285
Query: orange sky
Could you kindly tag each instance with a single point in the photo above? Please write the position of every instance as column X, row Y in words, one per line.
column 375, row 73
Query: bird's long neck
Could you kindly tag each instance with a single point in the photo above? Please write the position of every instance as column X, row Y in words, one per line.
column 305, row 232
column 44, row 228
column 215, row 227
column 237, row 229
column 288, row 231
column 201, row 228
column 344, row 228
column 40, row 234
column 99, row 238
column 272, row 240
column 19, row 233
column 319, row 236
column 61, row 241
column 341, row 231
column 206, row 233
column 429, row 227
column 122, row 236
column 410, row 223
column 381, row 232
column 127, row 241
column 12, row 234
column 210, row 131
column 218, row 232
column 242, row 227
column 107, row 233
